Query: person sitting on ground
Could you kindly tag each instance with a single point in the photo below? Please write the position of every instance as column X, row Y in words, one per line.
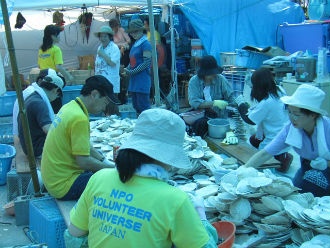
column 142, row 208
column 209, row 91
column 39, row 112
column 34, row 87
column 68, row 159
column 268, row 114
column 309, row 134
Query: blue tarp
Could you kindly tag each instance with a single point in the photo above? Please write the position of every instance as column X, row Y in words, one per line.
column 226, row 25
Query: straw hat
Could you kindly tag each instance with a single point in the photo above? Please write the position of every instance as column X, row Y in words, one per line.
column 135, row 25
column 208, row 66
column 307, row 97
column 104, row 29
column 159, row 134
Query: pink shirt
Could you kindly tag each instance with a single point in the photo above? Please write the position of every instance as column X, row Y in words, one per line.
column 121, row 38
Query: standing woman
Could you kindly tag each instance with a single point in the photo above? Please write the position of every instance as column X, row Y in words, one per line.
column 268, row 114
column 107, row 61
column 139, row 67
column 50, row 55
column 122, row 39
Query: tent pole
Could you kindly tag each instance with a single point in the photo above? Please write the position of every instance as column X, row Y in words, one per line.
column 173, row 55
column 18, row 88
column 154, row 53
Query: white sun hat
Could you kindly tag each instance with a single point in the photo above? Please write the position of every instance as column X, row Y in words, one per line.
column 308, row 97
column 159, row 134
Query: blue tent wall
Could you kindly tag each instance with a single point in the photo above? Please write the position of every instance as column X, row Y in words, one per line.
column 225, row 25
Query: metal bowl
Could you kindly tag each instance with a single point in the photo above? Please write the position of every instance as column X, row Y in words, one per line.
column 218, row 127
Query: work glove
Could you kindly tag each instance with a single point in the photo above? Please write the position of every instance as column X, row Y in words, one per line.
column 239, row 100
column 319, row 164
column 230, row 139
column 221, row 104
column 198, row 203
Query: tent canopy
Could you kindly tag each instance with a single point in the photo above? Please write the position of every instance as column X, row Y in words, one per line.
column 226, row 25
column 48, row 4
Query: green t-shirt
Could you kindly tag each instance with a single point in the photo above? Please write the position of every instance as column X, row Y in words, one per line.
column 143, row 212
column 69, row 136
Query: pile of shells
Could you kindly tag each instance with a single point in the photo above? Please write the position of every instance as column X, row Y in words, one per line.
column 110, row 131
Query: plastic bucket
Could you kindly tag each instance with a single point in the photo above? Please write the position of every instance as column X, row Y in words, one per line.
column 226, row 231
column 228, row 59
column 7, row 152
column 218, row 127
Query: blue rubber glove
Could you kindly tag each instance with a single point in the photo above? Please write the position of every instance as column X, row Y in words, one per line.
column 221, row 104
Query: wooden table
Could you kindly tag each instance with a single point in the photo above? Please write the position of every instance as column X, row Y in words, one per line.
column 242, row 151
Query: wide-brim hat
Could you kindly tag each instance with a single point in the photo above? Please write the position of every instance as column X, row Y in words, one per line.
column 308, row 97
column 135, row 25
column 104, row 29
column 208, row 66
column 159, row 134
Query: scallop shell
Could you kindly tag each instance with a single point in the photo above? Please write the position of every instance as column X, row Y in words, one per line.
column 196, row 153
column 244, row 188
column 272, row 202
column 240, row 209
column 260, row 181
column 271, row 228
column 279, row 218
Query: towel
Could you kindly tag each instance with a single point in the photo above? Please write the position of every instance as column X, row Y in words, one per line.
column 294, row 138
column 26, row 93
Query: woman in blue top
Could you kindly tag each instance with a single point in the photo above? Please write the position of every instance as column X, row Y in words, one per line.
column 139, row 67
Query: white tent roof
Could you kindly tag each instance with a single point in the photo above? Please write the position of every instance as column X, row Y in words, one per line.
column 46, row 4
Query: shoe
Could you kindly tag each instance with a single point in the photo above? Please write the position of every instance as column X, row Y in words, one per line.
column 286, row 161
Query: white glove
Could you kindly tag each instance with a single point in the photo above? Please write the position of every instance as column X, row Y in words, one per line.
column 239, row 100
column 198, row 203
column 319, row 164
column 230, row 139
column 109, row 163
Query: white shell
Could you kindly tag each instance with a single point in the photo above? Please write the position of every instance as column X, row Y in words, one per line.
column 240, row 209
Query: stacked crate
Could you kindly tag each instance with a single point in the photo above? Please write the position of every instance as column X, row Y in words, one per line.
column 236, row 79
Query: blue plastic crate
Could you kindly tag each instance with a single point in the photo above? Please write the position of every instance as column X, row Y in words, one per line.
column 250, row 59
column 7, row 101
column 70, row 93
column 46, row 222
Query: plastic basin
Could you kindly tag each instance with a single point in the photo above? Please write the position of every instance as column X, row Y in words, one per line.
column 226, row 231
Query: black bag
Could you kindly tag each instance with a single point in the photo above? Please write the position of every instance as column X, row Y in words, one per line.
column 200, row 127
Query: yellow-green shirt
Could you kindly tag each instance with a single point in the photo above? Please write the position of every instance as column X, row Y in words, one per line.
column 157, row 37
column 144, row 212
column 50, row 58
column 68, row 137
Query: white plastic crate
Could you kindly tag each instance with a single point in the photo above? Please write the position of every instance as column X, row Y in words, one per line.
column 236, row 79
